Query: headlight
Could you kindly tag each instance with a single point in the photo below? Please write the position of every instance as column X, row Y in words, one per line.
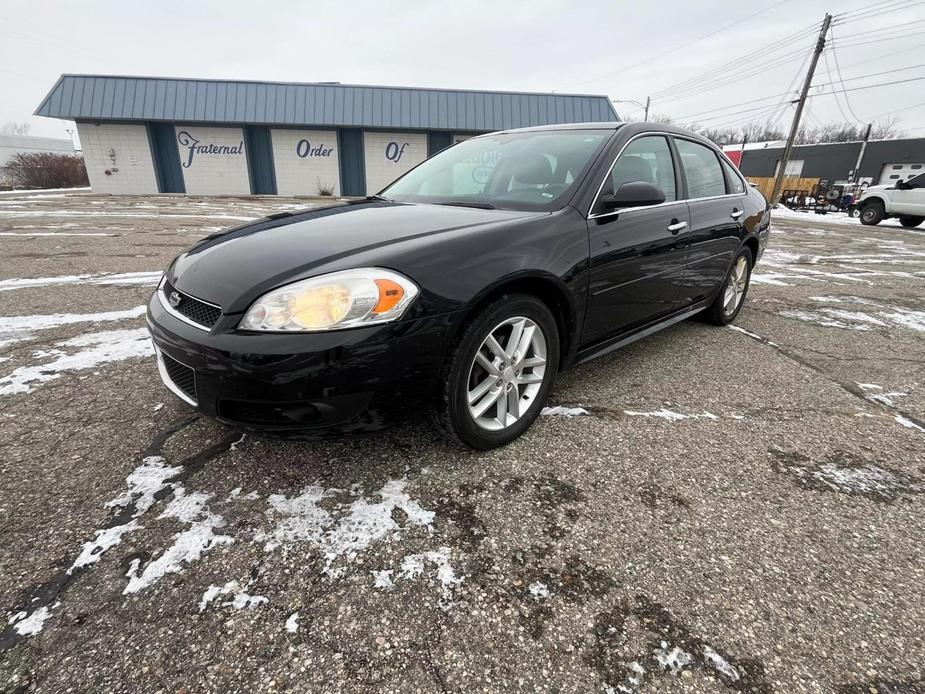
column 345, row 299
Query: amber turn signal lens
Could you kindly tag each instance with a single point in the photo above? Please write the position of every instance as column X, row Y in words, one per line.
column 390, row 293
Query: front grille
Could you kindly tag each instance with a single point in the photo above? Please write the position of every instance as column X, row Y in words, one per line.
column 197, row 311
column 182, row 376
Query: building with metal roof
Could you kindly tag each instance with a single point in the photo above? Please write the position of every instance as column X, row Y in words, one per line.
column 197, row 136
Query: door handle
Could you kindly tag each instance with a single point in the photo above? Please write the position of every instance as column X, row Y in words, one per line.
column 735, row 214
column 676, row 226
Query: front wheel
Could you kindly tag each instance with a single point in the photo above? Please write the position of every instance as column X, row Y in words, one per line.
column 872, row 214
column 910, row 222
column 728, row 302
column 500, row 373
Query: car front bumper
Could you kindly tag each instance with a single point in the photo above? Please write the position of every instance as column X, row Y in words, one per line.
column 360, row 377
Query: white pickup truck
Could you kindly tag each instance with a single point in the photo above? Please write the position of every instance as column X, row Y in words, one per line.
column 904, row 199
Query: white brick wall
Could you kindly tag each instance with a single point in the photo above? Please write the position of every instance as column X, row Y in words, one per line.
column 132, row 158
column 305, row 158
column 222, row 171
column 382, row 150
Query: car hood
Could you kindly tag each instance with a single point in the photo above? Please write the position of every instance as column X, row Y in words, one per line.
column 870, row 189
column 233, row 267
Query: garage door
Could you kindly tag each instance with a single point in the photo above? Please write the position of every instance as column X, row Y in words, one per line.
column 900, row 172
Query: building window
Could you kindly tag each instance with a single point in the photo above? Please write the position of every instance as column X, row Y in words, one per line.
column 794, row 167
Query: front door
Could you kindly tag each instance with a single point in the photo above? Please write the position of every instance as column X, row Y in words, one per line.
column 910, row 199
column 637, row 254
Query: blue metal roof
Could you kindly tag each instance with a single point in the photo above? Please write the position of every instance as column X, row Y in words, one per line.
column 103, row 97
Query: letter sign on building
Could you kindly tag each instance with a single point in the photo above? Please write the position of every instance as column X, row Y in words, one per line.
column 389, row 155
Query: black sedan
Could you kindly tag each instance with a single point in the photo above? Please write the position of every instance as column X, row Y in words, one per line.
column 464, row 287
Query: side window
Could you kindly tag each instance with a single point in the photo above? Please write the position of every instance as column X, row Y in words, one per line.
column 645, row 159
column 701, row 169
column 917, row 182
column 733, row 181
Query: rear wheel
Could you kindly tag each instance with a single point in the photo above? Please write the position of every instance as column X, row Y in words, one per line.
column 500, row 373
column 729, row 301
column 911, row 222
column 872, row 213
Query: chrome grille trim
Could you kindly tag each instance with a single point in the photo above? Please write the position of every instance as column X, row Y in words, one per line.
column 165, row 377
column 162, row 297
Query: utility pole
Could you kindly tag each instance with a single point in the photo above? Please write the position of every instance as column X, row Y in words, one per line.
column 795, row 127
column 857, row 167
column 647, row 109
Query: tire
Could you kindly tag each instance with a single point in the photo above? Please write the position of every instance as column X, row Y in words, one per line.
column 872, row 214
column 854, row 212
column 718, row 313
column 911, row 222
column 463, row 375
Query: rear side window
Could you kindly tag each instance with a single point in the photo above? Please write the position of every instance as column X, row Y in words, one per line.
column 701, row 169
column 645, row 159
column 733, row 182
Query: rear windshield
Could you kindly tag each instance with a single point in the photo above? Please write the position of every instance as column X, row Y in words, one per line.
column 517, row 171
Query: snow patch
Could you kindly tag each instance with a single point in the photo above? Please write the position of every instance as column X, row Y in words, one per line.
column 563, row 410
column 413, row 565
column 15, row 324
column 539, row 590
column 382, row 579
column 101, row 348
column 670, row 415
column 105, row 539
column 240, row 599
column 347, row 529
column 720, row 664
column 292, row 624
column 189, row 545
column 32, row 624
column 674, row 660
column 908, row 423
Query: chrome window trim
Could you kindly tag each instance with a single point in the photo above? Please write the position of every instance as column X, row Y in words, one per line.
column 168, row 381
column 625, row 210
column 176, row 314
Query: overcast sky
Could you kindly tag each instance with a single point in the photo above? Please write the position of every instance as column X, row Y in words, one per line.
column 623, row 50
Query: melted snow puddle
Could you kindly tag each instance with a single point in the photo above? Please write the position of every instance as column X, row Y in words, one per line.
column 95, row 349
column 145, row 279
column 847, row 474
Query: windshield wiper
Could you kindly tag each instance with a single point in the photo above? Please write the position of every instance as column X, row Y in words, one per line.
column 378, row 197
column 467, row 203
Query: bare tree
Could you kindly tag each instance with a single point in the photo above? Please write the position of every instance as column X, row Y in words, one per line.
column 807, row 134
column 46, row 170
column 15, row 129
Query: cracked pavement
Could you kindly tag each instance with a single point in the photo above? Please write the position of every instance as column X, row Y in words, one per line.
column 711, row 510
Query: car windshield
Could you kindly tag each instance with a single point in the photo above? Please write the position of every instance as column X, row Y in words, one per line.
column 518, row 171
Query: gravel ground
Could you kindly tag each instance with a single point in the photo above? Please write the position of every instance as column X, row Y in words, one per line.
column 734, row 509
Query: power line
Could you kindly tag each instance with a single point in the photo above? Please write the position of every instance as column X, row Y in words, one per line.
column 877, row 11
column 867, row 33
column 841, row 79
column 884, row 55
column 681, row 47
column 761, row 53
column 882, row 38
column 701, row 87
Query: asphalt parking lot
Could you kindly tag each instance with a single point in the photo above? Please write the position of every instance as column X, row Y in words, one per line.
column 709, row 510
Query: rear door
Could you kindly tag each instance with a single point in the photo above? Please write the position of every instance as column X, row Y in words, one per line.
column 637, row 254
column 716, row 200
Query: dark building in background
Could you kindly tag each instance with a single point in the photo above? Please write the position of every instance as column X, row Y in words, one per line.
column 884, row 161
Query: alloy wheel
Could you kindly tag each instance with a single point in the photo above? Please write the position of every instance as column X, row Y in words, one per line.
column 507, row 373
column 735, row 287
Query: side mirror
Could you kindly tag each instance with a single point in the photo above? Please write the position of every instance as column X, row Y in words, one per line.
column 901, row 185
column 633, row 194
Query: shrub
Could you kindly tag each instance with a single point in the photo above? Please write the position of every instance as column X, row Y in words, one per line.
column 47, row 170
column 325, row 189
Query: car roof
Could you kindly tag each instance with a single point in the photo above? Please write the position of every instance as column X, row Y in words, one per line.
column 635, row 126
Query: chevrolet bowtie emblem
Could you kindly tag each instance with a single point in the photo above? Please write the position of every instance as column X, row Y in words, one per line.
column 174, row 299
